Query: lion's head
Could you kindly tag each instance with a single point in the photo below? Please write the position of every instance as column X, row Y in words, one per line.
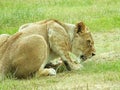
column 83, row 43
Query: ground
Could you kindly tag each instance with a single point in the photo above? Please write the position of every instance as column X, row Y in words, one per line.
column 101, row 72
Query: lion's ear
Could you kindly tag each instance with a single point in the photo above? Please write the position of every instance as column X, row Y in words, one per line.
column 80, row 27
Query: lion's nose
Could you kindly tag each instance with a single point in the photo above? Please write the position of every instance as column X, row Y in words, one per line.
column 93, row 54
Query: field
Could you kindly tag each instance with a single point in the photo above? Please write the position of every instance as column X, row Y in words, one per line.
column 101, row 72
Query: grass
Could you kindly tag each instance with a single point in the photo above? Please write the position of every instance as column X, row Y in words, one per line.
column 102, row 72
column 98, row 15
column 94, row 75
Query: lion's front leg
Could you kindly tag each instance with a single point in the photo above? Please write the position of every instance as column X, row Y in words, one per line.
column 60, row 44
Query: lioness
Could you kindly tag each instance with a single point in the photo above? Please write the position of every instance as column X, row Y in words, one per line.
column 29, row 50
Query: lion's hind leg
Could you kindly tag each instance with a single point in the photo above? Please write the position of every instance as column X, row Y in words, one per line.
column 31, row 54
column 46, row 72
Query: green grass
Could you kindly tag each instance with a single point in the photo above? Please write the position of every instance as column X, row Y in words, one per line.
column 98, row 15
column 102, row 17
column 92, row 67
column 102, row 74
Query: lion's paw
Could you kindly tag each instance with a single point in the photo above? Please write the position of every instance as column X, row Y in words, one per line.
column 52, row 72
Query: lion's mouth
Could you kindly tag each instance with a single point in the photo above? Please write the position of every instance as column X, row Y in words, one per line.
column 83, row 57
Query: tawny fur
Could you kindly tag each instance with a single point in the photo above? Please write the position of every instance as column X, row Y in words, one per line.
column 29, row 50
